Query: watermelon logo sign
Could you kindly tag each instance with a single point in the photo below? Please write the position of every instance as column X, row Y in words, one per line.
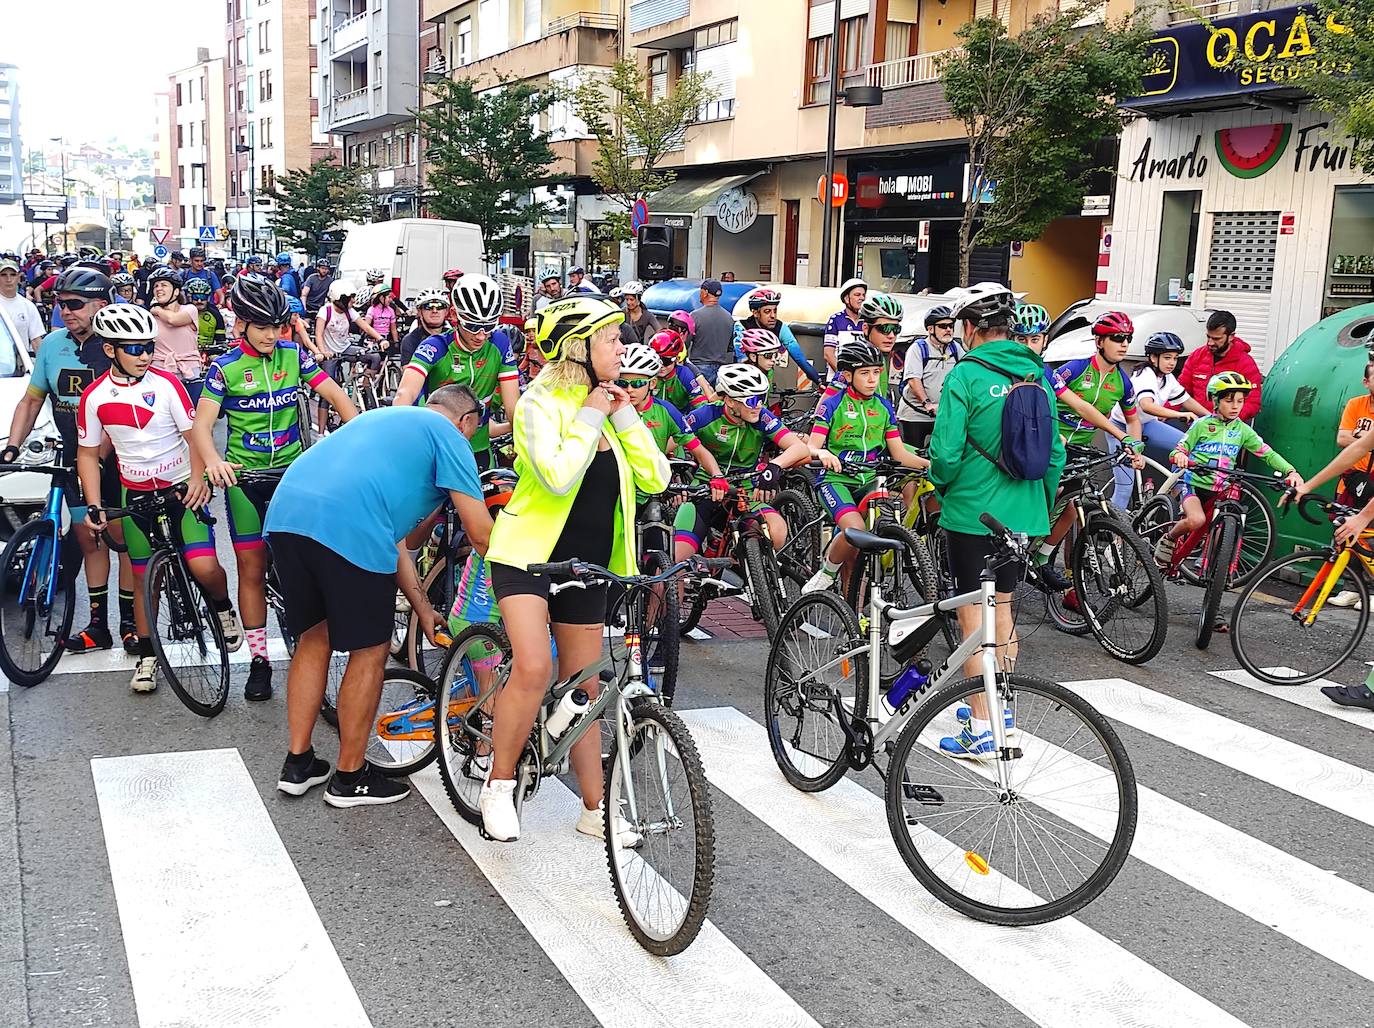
column 1250, row 151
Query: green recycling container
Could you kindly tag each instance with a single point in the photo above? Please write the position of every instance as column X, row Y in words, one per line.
column 1304, row 395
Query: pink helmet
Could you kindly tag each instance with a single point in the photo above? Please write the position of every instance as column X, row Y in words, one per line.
column 669, row 346
column 685, row 320
column 759, row 340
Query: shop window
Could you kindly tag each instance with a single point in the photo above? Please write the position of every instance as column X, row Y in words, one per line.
column 1178, row 226
column 1350, row 254
column 1242, row 257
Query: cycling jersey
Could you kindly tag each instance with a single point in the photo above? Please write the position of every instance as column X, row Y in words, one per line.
column 681, row 388
column 736, row 445
column 1211, row 440
column 1103, row 390
column 842, row 327
column 145, row 419
column 856, row 428
column 443, row 362
column 64, row 370
column 259, row 398
column 210, row 327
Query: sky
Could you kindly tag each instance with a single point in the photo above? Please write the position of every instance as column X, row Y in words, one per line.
column 88, row 69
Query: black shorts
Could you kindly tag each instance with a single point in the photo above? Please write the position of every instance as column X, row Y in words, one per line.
column 319, row 585
column 916, row 433
column 967, row 556
column 111, row 488
column 569, row 607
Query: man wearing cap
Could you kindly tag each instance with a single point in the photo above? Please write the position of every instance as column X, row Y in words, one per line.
column 714, row 342
column 552, row 287
column 316, row 287
column 576, row 285
column 22, row 311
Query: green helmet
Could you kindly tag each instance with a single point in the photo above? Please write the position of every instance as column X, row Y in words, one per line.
column 1030, row 319
column 880, row 307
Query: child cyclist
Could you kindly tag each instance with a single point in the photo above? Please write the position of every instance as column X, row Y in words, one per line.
column 639, row 369
column 762, row 349
column 679, row 383
column 856, row 425
column 1217, row 439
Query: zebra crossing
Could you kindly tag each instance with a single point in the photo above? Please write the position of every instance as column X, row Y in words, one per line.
column 1090, row 970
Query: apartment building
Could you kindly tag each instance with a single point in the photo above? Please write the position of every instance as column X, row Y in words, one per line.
column 11, row 150
column 369, row 84
column 271, row 100
column 195, row 142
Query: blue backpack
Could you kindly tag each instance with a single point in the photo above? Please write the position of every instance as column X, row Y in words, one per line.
column 1027, row 427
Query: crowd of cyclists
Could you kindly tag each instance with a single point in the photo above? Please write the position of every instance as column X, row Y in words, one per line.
column 596, row 405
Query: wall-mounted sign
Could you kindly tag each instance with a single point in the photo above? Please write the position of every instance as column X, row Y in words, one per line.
column 673, row 220
column 839, row 189
column 923, row 237
column 1096, row 206
column 736, row 209
column 45, row 208
column 1288, row 223
column 923, row 186
column 1246, row 152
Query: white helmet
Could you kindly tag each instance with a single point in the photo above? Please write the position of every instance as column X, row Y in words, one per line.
column 640, row 359
column 616, row 293
column 338, row 289
column 477, row 299
column 120, row 322
column 741, row 381
column 550, row 273
column 428, row 296
column 985, row 304
column 633, row 288
column 851, row 283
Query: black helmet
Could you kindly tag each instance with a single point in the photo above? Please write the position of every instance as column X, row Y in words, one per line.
column 87, row 282
column 150, row 262
column 67, row 259
column 1163, row 342
column 257, row 301
column 859, row 353
column 940, row 313
column 177, row 255
column 165, row 275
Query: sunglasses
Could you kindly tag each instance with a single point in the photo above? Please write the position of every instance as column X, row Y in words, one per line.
column 1120, row 337
column 752, row 402
column 475, row 329
column 947, row 325
column 633, row 383
column 434, row 306
column 134, row 349
column 72, row 303
column 480, row 410
column 886, row 330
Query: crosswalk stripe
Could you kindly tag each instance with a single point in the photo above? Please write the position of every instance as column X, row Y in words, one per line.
column 218, row 927
column 98, row 661
column 1060, row 975
column 1307, row 696
column 1305, row 773
column 556, row 881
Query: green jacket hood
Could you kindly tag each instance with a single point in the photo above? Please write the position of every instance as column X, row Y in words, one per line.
column 1010, row 355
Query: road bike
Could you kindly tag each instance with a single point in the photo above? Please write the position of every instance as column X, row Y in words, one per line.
column 1285, row 629
column 654, row 776
column 1027, row 832
column 38, row 571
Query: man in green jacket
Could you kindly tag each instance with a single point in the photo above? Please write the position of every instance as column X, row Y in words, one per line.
column 970, row 484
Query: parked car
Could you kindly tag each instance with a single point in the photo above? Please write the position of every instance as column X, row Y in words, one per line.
column 1071, row 333
column 22, row 494
column 411, row 253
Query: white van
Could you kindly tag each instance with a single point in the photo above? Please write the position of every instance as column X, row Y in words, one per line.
column 412, row 253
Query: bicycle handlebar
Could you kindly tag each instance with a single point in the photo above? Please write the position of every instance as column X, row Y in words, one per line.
column 581, row 569
column 153, row 499
column 1331, row 510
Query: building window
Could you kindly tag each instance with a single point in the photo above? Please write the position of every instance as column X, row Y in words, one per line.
column 180, row 138
column 717, row 110
column 268, row 179
column 852, row 44
column 715, row 35
column 464, row 42
column 191, row 133
column 658, row 76
column 315, row 84
column 1350, row 253
column 178, row 94
column 817, row 69
column 264, row 36
column 377, row 69
column 181, row 176
column 265, row 132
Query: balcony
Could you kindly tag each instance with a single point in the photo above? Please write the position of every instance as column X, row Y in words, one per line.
column 349, row 34
column 1185, row 14
column 348, row 106
column 579, row 39
column 648, row 14
column 907, row 71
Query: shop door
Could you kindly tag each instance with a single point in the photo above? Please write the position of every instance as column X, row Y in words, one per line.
column 986, row 263
column 791, row 223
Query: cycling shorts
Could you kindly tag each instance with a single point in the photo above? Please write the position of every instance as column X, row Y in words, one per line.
column 695, row 520
column 194, row 537
column 1207, row 496
column 247, row 508
column 837, row 495
column 967, row 556
column 568, row 607
column 111, row 489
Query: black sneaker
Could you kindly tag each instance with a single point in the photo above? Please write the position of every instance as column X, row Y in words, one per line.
column 92, row 637
column 302, row 772
column 129, row 634
column 1053, row 579
column 259, row 685
column 367, row 787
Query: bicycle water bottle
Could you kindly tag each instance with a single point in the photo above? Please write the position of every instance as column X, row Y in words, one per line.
column 913, row 678
column 570, row 706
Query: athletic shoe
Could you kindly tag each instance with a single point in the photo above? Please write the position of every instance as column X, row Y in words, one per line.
column 1164, row 550
column 1350, row 695
column 593, row 823
column 819, row 582
column 1070, row 602
column 500, row 820
column 233, row 631
column 92, row 637
column 968, row 746
column 302, row 772
column 145, row 675
column 259, row 685
column 129, row 635
column 368, row 788
column 1346, row 598
column 1053, row 578
column 964, row 715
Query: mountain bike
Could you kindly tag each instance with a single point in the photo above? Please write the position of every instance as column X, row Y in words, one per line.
column 654, row 776
column 1028, row 832
column 38, row 571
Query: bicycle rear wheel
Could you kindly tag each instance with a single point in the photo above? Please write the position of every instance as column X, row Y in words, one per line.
column 800, row 556
column 440, row 586
column 907, row 578
column 37, row 601
column 478, row 659
column 1270, row 633
column 765, row 586
column 1120, row 590
column 1041, row 848
column 186, row 634
column 657, row 784
column 1222, row 543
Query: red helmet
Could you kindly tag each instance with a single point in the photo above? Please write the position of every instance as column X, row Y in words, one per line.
column 764, row 297
column 669, row 346
column 685, row 320
column 1113, row 323
column 759, row 340
column 452, row 273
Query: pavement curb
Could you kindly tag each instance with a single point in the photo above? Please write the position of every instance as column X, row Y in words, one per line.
column 14, row 991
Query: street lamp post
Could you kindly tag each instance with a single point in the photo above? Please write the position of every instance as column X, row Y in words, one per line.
column 429, row 78
column 854, row 96
column 252, row 193
column 66, row 241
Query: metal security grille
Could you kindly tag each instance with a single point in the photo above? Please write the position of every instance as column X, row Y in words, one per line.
column 1242, row 255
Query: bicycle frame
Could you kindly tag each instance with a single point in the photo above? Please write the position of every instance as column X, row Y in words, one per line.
column 52, row 513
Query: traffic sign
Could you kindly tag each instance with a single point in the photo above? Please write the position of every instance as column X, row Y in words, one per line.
column 207, row 234
column 160, row 252
column 639, row 214
column 160, row 235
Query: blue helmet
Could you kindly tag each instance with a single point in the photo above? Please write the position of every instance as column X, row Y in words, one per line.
column 294, row 304
column 284, row 258
column 1163, row 342
column 1030, row 319
column 254, row 261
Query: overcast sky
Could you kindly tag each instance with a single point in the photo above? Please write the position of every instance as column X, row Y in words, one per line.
column 88, row 68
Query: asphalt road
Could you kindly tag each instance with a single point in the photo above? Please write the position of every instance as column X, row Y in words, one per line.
column 1248, row 898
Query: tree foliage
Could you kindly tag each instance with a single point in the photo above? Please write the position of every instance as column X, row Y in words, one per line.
column 1342, row 34
column 311, row 201
column 635, row 131
column 485, row 158
column 1034, row 106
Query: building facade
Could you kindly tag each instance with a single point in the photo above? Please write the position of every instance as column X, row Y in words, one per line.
column 196, row 141
column 11, row 149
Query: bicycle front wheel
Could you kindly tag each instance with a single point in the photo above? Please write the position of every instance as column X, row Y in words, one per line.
column 1256, row 540
column 1277, row 632
column 657, row 617
column 765, row 585
column 656, row 789
column 37, row 601
column 1034, row 848
column 1120, row 590
column 1222, row 542
column 478, row 660
column 186, row 635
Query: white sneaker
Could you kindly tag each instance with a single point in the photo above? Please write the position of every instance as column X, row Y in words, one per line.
column 145, row 675
column 1345, row 599
column 593, row 823
column 499, row 817
column 819, row 582
column 233, row 631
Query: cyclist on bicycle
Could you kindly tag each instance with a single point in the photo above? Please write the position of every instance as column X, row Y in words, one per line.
column 880, row 318
column 147, row 414
column 735, row 431
column 1029, row 325
column 256, row 386
column 294, row 331
column 431, row 319
column 125, row 287
column 762, row 349
column 763, row 303
column 334, row 328
column 679, row 383
column 927, row 363
column 209, row 321
column 638, row 376
column 477, row 355
column 1217, row 439
column 857, row 425
column 581, row 453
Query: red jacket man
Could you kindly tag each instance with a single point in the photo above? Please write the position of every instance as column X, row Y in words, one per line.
column 1224, row 351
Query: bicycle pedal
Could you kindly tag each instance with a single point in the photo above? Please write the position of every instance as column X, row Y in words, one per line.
column 926, row 795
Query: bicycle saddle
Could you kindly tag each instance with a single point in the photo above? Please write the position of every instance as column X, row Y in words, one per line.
column 870, row 543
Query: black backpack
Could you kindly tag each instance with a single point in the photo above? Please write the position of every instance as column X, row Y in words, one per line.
column 1027, row 427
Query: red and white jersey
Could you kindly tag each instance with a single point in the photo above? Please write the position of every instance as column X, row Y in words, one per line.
column 144, row 419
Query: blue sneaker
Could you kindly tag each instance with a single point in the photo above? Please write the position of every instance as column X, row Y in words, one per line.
column 967, row 746
column 964, row 715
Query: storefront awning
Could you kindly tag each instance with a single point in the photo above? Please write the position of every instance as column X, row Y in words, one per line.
column 687, row 196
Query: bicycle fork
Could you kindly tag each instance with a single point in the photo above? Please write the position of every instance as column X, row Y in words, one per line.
column 1322, row 584
column 988, row 656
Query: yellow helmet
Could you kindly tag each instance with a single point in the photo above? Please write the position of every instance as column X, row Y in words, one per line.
column 577, row 317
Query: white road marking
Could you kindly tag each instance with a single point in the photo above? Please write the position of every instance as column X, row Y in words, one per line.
column 1060, row 975
column 700, row 635
column 1308, row 696
column 556, row 881
column 218, row 927
column 98, row 661
column 1309, row 775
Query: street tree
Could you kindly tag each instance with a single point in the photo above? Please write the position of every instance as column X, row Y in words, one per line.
column 311, row 201
column 635, row 131
column 1034, row 106
column 484, row 159
column 1342, row 38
